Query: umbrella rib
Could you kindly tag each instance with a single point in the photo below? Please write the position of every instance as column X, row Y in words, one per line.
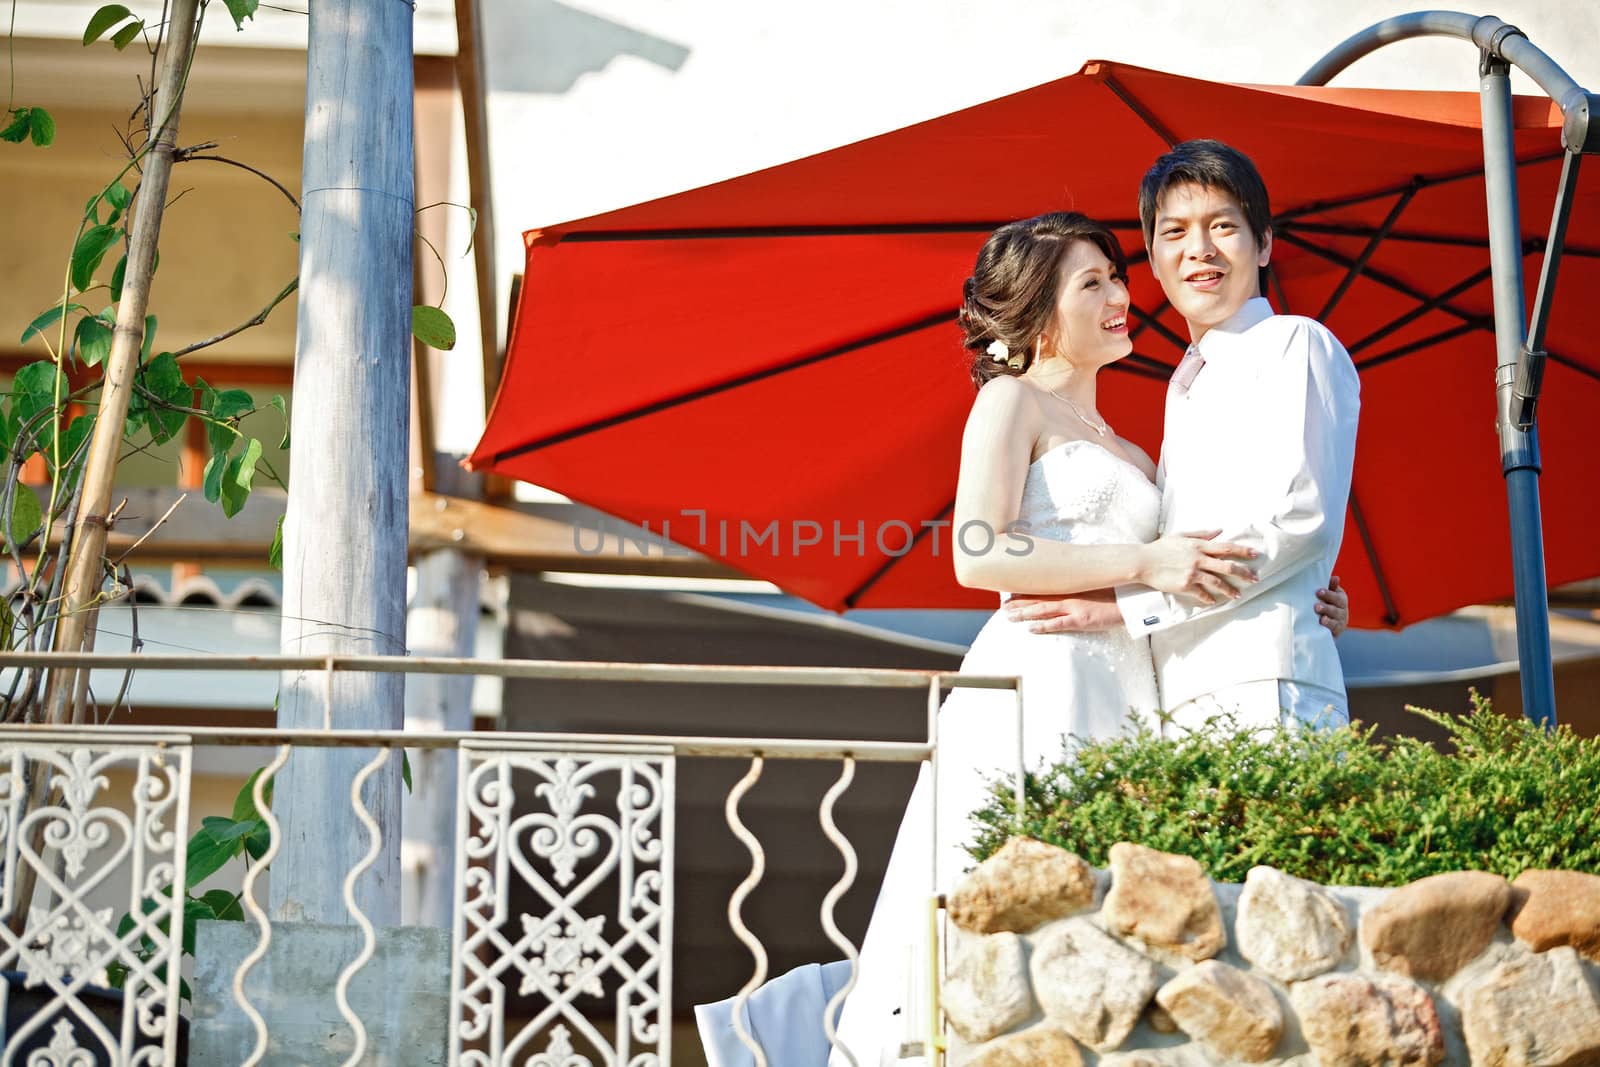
column 1530, row 244
column 1150, row 320
column 1468, row 319
column 1391, row 614
column 1135, row 105
column 1144, row 323
column 1427, row 342
column 1277, row 283
column 1476, row 278
column 937, row 319
column 1359, row 267
column 1143, row 367
column 1424, row 181
column 708, row 233
column 928, row 526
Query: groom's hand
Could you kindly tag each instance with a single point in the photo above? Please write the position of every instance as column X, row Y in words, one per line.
column 1333, row 606
column 1084, row 613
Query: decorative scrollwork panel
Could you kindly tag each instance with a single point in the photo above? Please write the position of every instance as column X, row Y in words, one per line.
column 84, row 843
column 563, row 908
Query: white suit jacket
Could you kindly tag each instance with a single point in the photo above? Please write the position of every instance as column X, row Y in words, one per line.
column 1261, row 446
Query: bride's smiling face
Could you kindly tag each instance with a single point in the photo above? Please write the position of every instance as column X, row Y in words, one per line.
column 1090, row 327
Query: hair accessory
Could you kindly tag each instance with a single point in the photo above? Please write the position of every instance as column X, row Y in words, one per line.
column 998, row 351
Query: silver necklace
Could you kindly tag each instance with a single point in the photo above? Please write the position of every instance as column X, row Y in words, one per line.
column 1102, row 428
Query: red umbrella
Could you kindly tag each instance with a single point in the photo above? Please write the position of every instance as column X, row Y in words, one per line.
column 772, row 360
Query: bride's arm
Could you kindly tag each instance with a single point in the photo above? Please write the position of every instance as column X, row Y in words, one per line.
column 992, row 551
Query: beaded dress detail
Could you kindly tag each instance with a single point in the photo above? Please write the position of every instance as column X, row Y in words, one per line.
column 1083, row 685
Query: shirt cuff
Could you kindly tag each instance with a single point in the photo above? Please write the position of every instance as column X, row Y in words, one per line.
column 1144, row 610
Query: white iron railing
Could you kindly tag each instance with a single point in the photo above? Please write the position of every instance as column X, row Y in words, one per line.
column 580, row 964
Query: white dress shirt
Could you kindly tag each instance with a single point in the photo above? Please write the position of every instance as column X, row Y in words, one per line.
column 1261, row 445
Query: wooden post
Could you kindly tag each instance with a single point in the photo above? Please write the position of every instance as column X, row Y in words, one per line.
column 344, row 539
column 443, row 622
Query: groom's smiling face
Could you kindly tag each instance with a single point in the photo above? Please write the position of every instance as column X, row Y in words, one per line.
column 1205, row 255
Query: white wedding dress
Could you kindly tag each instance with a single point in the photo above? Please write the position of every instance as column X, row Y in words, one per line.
column 1083, row 685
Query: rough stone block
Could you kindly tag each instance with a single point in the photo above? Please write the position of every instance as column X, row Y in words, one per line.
column 1533, row 1011
column 1090, row 984
column 1166, row 901
column 1351, row 1020
column 1551, row 908
column 986, row 989
column 1290, row 928
column 1434, row 926
column 1233, row 1013
column 1025, row 884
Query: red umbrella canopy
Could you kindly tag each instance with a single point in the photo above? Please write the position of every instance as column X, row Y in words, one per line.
column 769, row 369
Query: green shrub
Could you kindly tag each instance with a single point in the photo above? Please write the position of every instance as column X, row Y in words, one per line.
column 1341, row 807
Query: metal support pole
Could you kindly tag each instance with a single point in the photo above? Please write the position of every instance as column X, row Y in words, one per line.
column 1519, row 449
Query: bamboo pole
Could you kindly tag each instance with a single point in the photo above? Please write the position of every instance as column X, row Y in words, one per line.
column 344, row 534
column 85, row 574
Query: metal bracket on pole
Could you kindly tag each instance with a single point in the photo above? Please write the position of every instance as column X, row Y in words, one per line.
column 1580, row 130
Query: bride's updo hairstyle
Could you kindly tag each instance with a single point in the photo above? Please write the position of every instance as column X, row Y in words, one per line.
column 1011, row 295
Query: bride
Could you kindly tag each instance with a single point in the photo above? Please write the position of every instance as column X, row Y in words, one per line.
column 1045, row 309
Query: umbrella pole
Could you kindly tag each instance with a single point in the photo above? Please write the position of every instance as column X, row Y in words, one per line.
column 1519, row 448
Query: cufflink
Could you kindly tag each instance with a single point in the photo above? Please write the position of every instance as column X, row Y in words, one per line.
column 1152, row 620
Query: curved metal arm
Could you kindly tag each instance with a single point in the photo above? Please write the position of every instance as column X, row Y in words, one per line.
column 1491, row 35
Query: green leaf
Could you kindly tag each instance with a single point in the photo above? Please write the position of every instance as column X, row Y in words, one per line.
column 164, row 378
column 46, row 319
column 216, row 842
column 118, row 195
column 125, row 36
column 42, row 127
column 241, row 10
column 223, row 904
column 76, row 434
column 117, row 275
column 275, row 553
column 283, row 409
column 93, row 339
column 26, row 515
column 227, row 407
column 89, row 251
column 241, row 473
column 103, row 20
column 17, row 131
column 216, row 467
column 149, row 338
column 433, row 327
column 405, row 769
column 37, row 379
column 244, row 802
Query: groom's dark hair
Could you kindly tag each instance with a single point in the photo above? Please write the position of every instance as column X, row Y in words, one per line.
column 1211, row 165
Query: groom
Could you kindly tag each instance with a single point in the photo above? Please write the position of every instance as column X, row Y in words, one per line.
column 1259, row 442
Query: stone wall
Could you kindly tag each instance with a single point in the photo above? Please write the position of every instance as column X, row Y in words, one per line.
column 1151, row 963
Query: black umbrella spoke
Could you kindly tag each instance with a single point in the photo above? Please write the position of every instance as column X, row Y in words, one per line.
column 1430, row 341
column 1143, row 367
column 1144, row 323
column 1135, row 105
column 1391, row 614
column 1422, row 181
column 1471, row 281
column 1357, row 268
column 938, row 318
column 928, row 526
column 1156, row 324
column 1277, row 286
column 1530, row 244
column 1382, row 278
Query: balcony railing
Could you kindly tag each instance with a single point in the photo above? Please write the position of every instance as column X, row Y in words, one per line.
column 558, row 819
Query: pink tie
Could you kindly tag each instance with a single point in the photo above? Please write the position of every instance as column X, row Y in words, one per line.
column 1188, row 370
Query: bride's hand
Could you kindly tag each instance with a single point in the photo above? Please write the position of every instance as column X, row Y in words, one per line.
column 1197, row 565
